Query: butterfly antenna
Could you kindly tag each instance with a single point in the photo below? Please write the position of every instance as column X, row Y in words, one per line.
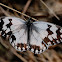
column 50, row 10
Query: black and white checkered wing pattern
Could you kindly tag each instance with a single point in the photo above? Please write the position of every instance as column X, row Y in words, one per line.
column 13, row 28
column 43, row 35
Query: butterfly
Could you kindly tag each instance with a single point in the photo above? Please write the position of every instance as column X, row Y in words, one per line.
column 35, row 36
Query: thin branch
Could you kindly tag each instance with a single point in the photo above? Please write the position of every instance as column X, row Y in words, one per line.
column 50, row 10
column 17, row 11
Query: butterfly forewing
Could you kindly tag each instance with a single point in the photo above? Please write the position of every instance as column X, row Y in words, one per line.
column 15, row 30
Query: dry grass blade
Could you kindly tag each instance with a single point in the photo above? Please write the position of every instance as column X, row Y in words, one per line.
column 56, row 56
column 19, row 56
column 26, row 6
column 3, row 11
column 6, row 46
column 11, row 49
column 32, row 56
column 2, row 60
column 17, row 11
column 50, row 10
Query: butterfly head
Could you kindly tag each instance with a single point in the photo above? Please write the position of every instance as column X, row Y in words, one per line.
column 29, row 22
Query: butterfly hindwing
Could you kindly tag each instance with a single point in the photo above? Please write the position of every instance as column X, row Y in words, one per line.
column 36, row 43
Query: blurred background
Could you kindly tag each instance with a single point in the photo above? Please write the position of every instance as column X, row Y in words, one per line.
column 39, row 11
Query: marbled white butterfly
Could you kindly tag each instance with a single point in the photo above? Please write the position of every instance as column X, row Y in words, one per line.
column 28, row 35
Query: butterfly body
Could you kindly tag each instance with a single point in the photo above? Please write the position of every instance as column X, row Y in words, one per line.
column 28, row 24
column 28, row 35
